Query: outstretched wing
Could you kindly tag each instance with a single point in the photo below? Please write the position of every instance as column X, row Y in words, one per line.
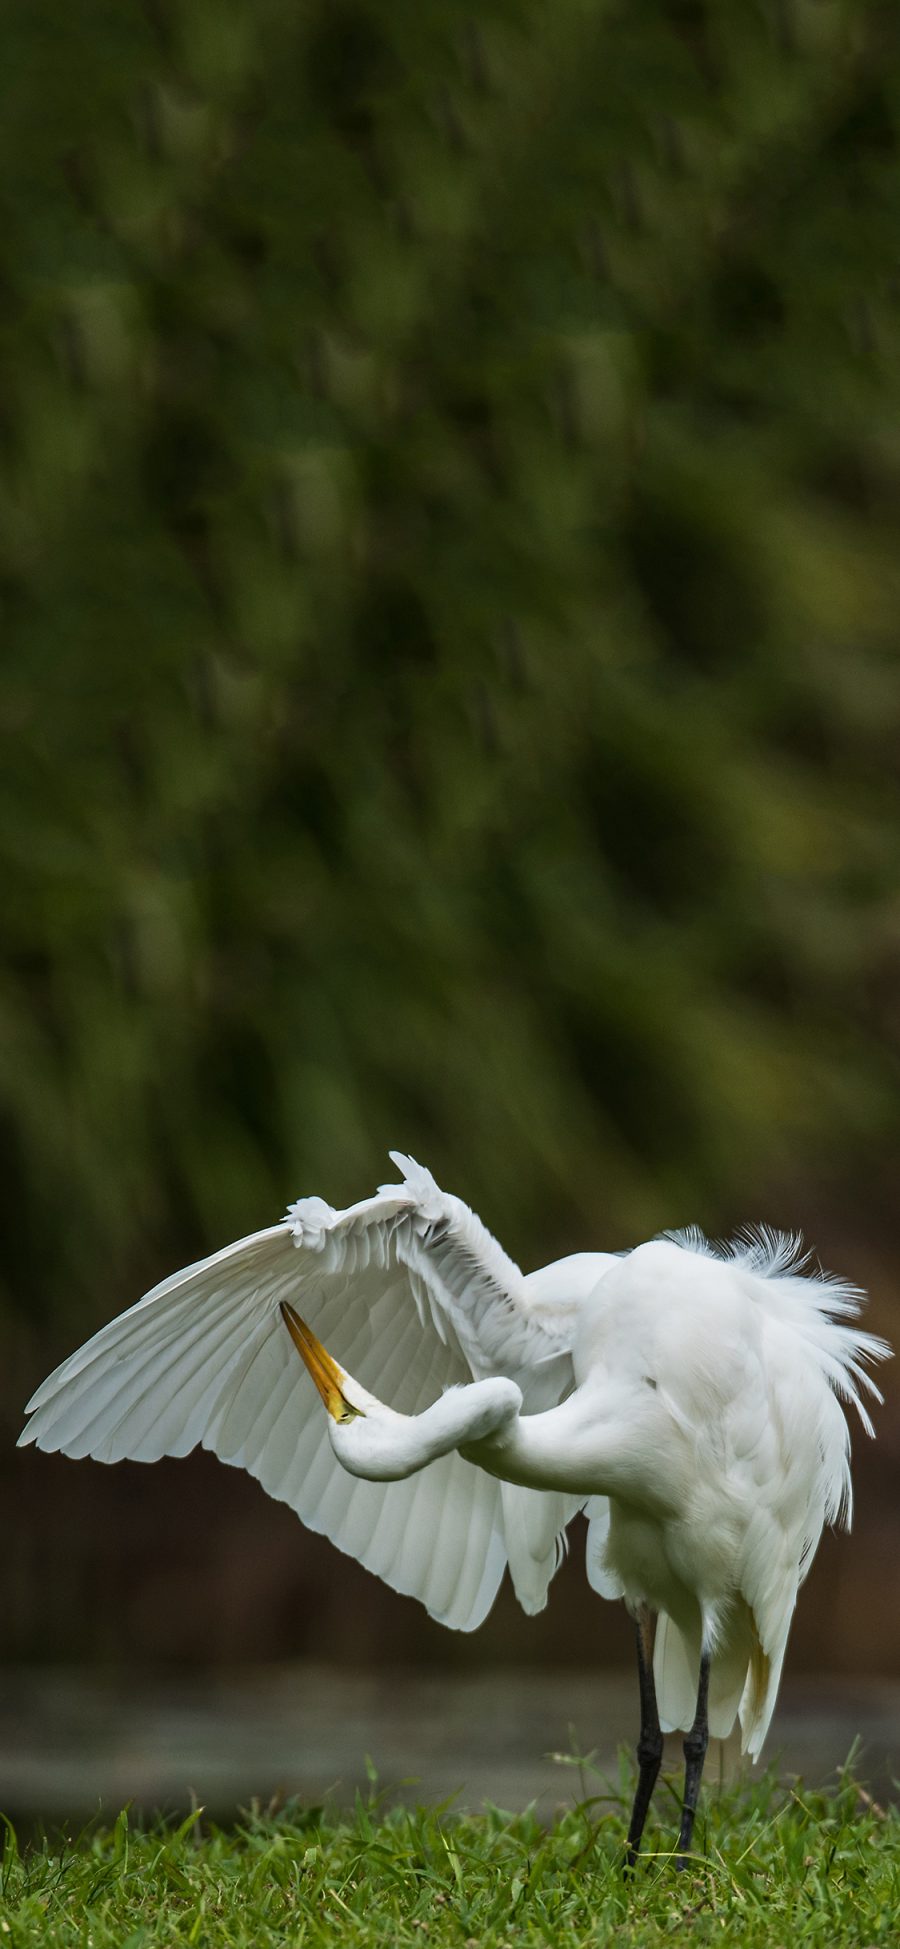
column 412, row 1295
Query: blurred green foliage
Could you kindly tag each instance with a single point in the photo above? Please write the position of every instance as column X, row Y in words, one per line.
column 451, row 474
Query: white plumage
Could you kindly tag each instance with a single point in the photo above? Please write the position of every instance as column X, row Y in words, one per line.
column 684, row 1396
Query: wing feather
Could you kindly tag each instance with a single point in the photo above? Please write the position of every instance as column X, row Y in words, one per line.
column 412, row 1295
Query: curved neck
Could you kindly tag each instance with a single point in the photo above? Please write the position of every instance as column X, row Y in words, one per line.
column 585, row 1447
column 383, row 1446
column 546, row 1451
column 595, row 1443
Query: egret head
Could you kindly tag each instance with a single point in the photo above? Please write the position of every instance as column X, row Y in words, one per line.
column 344, row 1399
column 368, row 1438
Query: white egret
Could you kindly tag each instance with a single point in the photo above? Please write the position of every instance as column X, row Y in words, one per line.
column 684, row 1397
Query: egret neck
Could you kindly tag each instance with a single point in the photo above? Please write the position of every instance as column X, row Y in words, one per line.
column 597, row 1442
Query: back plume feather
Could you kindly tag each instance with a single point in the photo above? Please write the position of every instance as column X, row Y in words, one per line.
column 813, row 1303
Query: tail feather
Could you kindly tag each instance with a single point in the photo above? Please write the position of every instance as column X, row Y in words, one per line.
column 743, row 1679
column 676, row 1670
column 759, row 1694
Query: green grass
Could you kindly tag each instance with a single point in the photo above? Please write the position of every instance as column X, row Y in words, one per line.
column 778, row 1866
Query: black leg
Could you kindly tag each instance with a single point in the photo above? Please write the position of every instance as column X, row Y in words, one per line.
column 650, row 1743
column 694, row 1755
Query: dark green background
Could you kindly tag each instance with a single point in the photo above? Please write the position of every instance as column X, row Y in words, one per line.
column 450, row 489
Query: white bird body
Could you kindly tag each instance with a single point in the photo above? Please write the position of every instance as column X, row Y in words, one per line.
column 703, row 1439
column 685, row 1399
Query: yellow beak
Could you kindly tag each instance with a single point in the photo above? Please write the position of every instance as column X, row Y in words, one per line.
column 325, row 1371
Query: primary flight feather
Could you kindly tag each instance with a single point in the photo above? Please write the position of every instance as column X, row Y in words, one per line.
column 685, row 1397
